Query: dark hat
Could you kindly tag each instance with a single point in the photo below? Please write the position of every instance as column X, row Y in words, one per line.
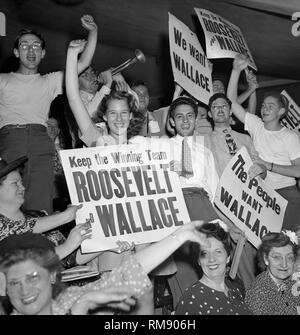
column 26, row 240
column 6, row 168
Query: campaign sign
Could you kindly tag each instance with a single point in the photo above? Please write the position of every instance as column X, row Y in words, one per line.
column 128, row 193
column 222, row 38
column 250, row 204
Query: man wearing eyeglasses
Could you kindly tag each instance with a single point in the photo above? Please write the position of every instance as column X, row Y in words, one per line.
column 26, row 96
column 224, row 142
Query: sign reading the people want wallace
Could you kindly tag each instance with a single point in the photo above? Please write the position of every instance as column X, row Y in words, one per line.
column 223, row 39
column 292, row 118
column 189, row 63
column 251, row 205
column 128, row 193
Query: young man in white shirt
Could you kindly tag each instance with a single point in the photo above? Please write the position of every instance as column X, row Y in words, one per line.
column 278, row 146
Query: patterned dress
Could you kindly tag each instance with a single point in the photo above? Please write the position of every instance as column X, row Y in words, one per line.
column 264, row 297
column 200, row 299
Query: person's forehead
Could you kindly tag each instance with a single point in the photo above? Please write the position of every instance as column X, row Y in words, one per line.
column 287, row 249
column 214, row 244
column 270, row 99
column 181, row 109
column 23, row 268
column 219, row 101
column 217, row 82
column 117, row 103
column 140, row 89
column 29, row 38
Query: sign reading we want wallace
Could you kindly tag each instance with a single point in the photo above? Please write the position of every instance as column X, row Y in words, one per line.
column 250, row 204
column 127, row 192
column 222, row 38
column 189, row 63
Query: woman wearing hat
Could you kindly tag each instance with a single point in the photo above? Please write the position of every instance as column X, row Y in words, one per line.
column 32, row 275
column 14, row 221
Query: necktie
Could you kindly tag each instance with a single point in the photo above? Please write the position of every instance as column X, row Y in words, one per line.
column 186, row 160
column 230, row 142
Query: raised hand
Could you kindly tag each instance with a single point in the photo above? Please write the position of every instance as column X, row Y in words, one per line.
column 251, row 80
column 240, row 63
column 88, row 22
column 189, row 232
column 106, row 78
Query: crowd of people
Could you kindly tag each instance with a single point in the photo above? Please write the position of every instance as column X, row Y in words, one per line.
column 37, row 242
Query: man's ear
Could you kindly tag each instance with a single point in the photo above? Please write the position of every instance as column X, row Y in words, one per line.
column 130, row 116
column 281, row 111
column 104, row 118
column 43, row 53
column 172, row 123
column 16, row 53
column 209, row 114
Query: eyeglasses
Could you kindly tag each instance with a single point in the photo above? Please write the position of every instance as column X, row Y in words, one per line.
column 34, row 45
column 30, row 279
column 215, row 108
column 278, row 259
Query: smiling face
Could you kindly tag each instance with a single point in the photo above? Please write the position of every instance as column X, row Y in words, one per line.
column 271, row 110
column 280, row 262
column 29, row 288
column 213, row 259
column 118, row 117
column 29, row 52
column 184, row 120
column 12, row 189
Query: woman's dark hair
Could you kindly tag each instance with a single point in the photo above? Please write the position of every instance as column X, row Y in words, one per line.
column 26, row 32
column 138, row 119
column 273, row 240
column 182, row 101
column 47, row 259
column 216, row 231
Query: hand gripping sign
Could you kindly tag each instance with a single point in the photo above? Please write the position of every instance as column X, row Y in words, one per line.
column 223, row 39
column 128, row 193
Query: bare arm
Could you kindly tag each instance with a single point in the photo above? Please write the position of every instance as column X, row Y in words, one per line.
column 240, row 63
column 285, row 170
column 86, row 57
column 50, row 222
column 153, row 255
column 81, row 115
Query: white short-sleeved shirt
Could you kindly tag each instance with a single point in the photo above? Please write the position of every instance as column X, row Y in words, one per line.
column 27, row 98
column 279, row 147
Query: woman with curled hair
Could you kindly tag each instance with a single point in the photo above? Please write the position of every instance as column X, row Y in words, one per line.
column 211, row 295
column 272, row 293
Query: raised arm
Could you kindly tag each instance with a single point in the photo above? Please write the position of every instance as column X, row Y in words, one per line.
column 79, row 111
column 239, row 64
column 86, row 57
column 153, row 255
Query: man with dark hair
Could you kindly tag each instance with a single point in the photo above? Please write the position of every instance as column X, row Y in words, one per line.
column 26, row 96
column 278, row 146
column 198, row 179
column 224, row 142
column 155, row 121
